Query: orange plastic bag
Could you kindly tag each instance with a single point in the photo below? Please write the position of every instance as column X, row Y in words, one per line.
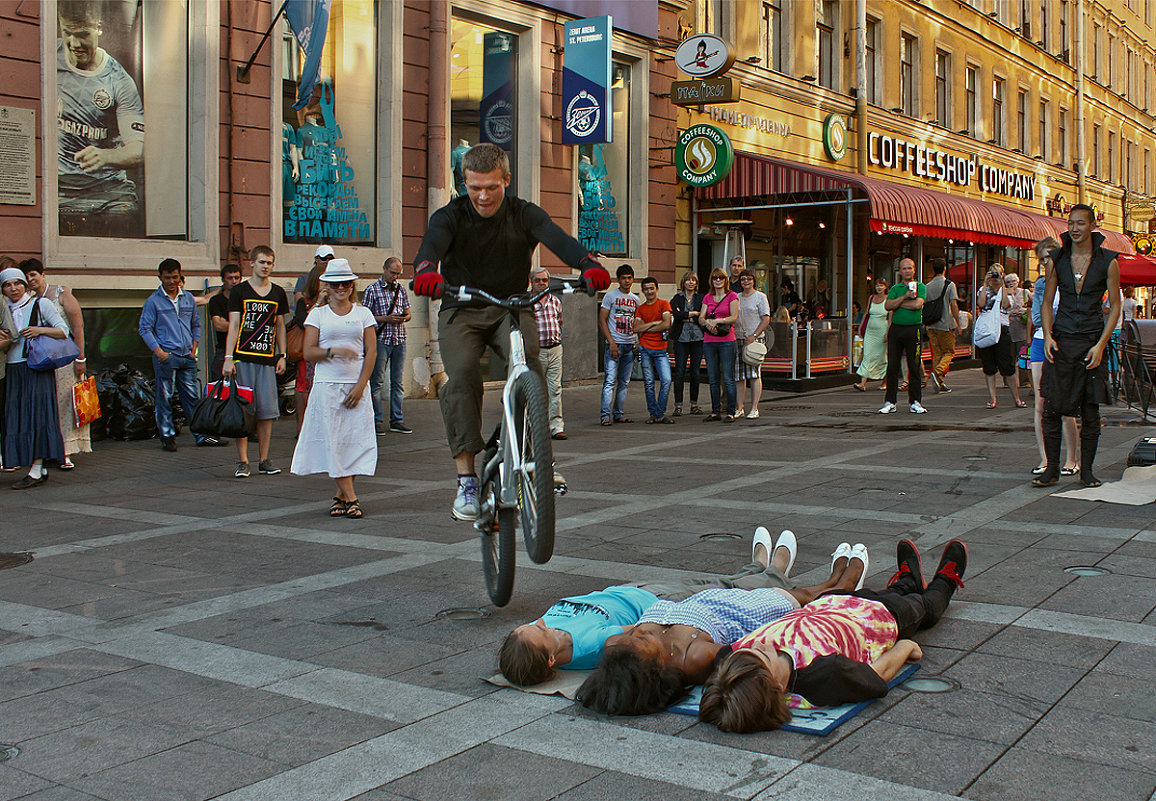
column 85, row 402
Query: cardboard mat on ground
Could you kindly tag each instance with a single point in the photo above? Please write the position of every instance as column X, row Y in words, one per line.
column 1136, row 487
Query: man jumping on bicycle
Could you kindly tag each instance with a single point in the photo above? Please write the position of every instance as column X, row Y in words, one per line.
column 485, row 240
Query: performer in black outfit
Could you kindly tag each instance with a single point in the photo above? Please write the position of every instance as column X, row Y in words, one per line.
column 1074, row 381
column 485, row 240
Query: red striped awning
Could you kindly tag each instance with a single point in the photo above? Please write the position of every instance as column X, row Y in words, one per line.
column 1113, row 240
column 1136, row 270
column 897, row 208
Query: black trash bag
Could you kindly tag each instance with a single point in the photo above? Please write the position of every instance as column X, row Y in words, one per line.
column 126, row 402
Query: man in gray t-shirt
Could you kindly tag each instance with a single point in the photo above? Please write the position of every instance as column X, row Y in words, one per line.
column 942, row 333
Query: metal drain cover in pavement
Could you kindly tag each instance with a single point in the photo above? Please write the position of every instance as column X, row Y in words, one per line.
column 779, row 408
column 930, row 685
column 463, row 614
column 975, row 458
column 719, row 535
column 1087, row 570
column 8, row 752
column 14, row 559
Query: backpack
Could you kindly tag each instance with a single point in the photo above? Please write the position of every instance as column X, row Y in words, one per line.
column 933, row 309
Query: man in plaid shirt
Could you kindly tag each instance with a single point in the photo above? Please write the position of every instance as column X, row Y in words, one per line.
column 387, row 299
column 548, row 315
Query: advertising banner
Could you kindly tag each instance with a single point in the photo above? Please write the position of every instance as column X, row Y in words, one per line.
column 586, row 109
column 309, row 20
column 496, row 113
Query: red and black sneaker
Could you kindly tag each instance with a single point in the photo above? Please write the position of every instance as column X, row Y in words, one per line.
column 910, row 566
column 953, row 563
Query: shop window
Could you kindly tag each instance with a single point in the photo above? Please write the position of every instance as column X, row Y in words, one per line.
column 122, row 69
column 603, row 178
column 483, row 93
column 329, row 147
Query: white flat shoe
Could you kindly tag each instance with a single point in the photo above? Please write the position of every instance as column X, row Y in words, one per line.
column 842, row 551
column 763, row 538
column 859, row 551
column 787, row 540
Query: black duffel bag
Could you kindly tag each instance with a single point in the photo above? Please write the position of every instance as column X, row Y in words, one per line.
column 216, row 416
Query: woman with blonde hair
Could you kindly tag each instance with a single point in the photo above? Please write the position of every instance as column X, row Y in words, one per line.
column 1036, row 364
column 720, row 310
column 686, row 333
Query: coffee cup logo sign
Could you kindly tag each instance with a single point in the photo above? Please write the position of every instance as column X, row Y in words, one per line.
column 703, row 155
column 704, row 55
column 835, row 137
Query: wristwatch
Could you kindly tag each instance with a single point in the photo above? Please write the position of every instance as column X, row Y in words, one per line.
column 280, row 355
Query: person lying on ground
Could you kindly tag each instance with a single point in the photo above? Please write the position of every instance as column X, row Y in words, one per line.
column 843, row 648
column 653, row 664
column 571, row 634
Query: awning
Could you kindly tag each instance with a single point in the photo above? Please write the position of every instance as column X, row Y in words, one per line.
column 1113, row 240
column 1137, row 270
column 898, row 208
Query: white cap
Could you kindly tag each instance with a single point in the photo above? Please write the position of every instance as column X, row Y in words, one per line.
column 323, row 252
column 338, row 270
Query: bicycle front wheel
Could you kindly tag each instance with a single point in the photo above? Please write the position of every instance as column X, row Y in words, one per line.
column 497, row 537
column 535, row 480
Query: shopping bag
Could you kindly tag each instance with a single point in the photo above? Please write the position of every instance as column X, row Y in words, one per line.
column 44, row 353
column 245, row 392
column 986, row 330
column 85, row 402
column 215, row 416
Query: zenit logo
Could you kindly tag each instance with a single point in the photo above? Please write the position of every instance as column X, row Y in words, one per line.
column 703, row 156
column 583, row 114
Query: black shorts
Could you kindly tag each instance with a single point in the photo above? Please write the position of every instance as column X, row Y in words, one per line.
column 999, row 355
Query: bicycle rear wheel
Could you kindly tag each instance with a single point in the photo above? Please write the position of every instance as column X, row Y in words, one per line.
column 535, row 481
column 497, row 536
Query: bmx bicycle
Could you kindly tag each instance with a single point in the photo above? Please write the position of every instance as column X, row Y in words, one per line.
column 516, row 481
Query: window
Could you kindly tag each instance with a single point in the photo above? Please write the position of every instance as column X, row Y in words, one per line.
column 1022, row 120
column 943, row 88
column 715, row 17
column 122, row 165
column 1065, row 52
column 1026, row 19
column 483, row 92
column 1062, row 132
column 774, row 35
column 872, row 61
column 826, row 41
column 329, row 147
column 1097, row 54
column 1111, row 157
column 1147, row 172
column 972, row 100
column 907, row 72
column 997, row 100
column 1126, row 176
column 1096, row 151
column 1042, row 147
column 1045, row 10
column 603, row 178
column 1109, row 78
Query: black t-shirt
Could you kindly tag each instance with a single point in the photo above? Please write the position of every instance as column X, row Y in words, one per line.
column 492, row 253
column 833, row 680
column 257, row 338
column 219, row 307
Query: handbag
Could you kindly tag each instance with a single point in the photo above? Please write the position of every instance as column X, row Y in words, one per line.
column 722, row 329
column 217, row 416
column 754, row 353
column 295, row 343
column 986, row 330
column 45, row 353
column 85, row 402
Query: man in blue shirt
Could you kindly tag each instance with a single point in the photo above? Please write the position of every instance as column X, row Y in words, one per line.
column 171, row 327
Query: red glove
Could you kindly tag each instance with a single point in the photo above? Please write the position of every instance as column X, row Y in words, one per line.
column 594, row 275
column 429, row 283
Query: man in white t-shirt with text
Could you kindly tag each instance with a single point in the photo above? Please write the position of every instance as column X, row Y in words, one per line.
column 616, row 321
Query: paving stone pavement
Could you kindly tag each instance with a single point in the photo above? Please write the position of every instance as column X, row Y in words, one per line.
column 182, row 634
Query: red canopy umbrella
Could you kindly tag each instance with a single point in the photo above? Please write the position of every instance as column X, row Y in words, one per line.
column 1137, row 270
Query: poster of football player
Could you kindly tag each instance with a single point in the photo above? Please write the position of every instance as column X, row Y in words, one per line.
column 100, row 118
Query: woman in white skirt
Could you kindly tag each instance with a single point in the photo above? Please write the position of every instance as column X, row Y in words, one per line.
column 337, row 436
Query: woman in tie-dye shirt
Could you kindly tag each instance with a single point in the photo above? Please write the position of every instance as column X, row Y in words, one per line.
column 839, row 649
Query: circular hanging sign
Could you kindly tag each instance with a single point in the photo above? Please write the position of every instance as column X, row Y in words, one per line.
column 703, row 155
column 835, row 136
column 1143, row 244
column 704, row 55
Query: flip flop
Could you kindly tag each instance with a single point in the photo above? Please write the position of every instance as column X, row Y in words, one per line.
column 606, row 422
column 623, row 420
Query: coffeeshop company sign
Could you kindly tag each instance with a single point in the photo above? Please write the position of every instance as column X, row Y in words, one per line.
column 703, row 155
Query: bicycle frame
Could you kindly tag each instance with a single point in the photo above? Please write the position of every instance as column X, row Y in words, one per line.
column 511, row 457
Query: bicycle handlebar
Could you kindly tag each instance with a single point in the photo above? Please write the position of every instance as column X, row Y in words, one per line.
column 561, row 286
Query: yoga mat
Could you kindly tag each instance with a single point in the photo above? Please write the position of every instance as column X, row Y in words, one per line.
column 1136, row 487
column 817, row 720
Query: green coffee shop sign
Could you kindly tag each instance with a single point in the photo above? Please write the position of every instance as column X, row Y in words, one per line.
column 703, row 155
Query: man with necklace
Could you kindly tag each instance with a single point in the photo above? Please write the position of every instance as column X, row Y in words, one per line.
column 1075, row 337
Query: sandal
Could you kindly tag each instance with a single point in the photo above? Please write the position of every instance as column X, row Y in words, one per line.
column 1021, row 404
column 730, row 418
column 694, row 409
column 711, row 418
column 678, row 411
column 903, row 387
column 860, row 387
column 338, row 508
column 353, row 510
column 665, row 420
column 606, row 422
column 623, row 420
column 991, row 404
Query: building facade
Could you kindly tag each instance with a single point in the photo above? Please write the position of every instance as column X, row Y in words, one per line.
column 967, row 133
column 163, row 146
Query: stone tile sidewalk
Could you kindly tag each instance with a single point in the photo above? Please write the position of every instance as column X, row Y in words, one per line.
column 182, row 634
